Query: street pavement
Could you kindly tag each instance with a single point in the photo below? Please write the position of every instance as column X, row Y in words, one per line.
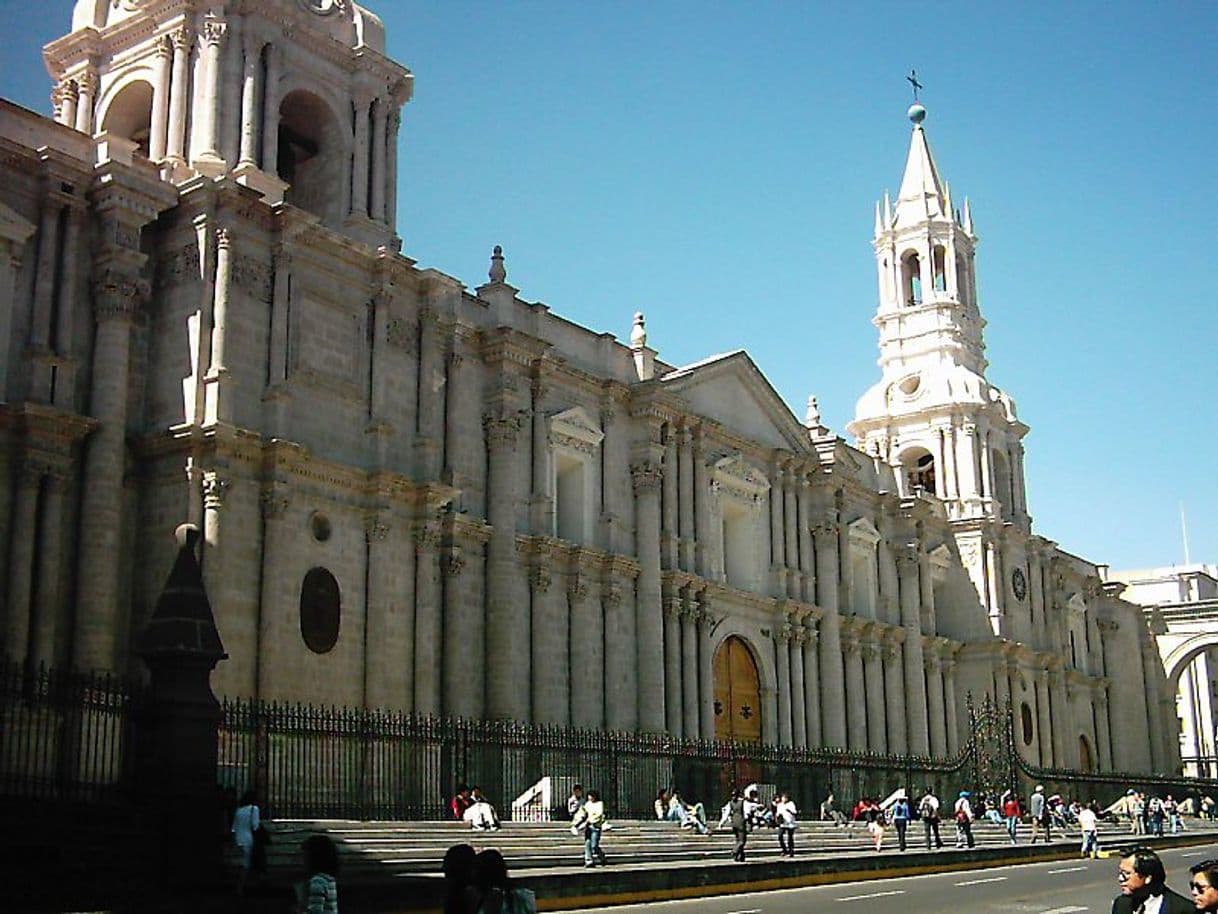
column 1056, row 887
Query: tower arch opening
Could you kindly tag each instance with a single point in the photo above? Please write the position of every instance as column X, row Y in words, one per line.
column 129, row 114
column 919, row 471
column 939, row 268
column 911, row 278
column 1003, row 491
column 312, row 154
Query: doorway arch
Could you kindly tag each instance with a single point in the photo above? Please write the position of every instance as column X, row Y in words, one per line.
column 1086, row 760
column 737, row 692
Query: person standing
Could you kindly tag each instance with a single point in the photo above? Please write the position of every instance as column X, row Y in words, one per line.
column 1038, row 809
column 963, row 811
column 1172, row 810
column 901, row 815
column 246, row 822
column 575, row 801
column 928, row 812
column 1142, row 879
column 736, row 814
column 1088, row 822
column 591, row 817
column 318, row 894
column 1011, row 813
column 1204, row 885
column 784, row 814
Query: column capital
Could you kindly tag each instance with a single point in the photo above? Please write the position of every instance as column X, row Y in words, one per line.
column 646, row 476
column 501, row 431
column 401, row 334
column 825, row 529
column 892, row 651
column 540, row 578
column 783, row 634
column 1108, row 627
column 672, row 606
column 376, row 528
column 907, row 556
column 67, row 90
column 164, row 47
column 86, row 81
column 810, row 636
column 427, row 535
column 611, row 593
column 182, row 38
column 869, row 649
column 117, row 295
column 849, row 641
column 577, row 587
column 452, row 562
column 215, row 487
column 274, row 502
column 214, row 29
column 932, row 662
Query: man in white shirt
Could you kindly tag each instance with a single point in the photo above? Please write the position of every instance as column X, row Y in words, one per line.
column 1088, row 822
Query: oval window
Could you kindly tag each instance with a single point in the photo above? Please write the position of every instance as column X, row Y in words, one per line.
column 320, row 609
column 1025, row 716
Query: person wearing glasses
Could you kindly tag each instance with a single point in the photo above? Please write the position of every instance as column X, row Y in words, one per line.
column 1204, row 885
column 1144, row 890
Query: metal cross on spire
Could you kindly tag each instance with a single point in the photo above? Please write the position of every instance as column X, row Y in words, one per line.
column 912, row 79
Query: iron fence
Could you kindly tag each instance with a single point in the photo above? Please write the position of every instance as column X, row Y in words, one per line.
column 65, row 735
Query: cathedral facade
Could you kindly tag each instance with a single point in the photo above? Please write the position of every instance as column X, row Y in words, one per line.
column 423, row 497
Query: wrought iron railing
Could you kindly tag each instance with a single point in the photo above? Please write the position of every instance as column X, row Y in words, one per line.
column 64, row 735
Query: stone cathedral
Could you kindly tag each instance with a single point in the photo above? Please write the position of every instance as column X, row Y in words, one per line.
column 423, row 497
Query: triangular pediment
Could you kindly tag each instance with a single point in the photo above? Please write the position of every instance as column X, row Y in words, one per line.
column 732, row 391
column 13, row 226
column 576, row 424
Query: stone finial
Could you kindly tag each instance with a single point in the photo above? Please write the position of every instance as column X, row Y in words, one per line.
column 182, row 624
column 638, row 333
column 812, row 416
column 497, row 272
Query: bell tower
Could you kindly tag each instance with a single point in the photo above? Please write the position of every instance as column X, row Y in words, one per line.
column 293, row 98
column 933, row 414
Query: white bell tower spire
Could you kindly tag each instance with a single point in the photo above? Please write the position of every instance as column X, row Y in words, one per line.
column 933, row 413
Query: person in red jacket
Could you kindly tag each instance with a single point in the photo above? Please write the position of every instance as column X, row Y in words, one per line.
column 1011, row 813
column 461, row 801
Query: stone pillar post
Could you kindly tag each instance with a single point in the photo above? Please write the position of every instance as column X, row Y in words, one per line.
column 213, row 559
column 359, row 156
column 270, row 111
column 179, row 96
column 894, row 689
column 379, row 116
column 223, row 289
column 936, row 713
column 889, row 602
column 391, row 179
column 45, row 280
column 550, row 621
column 390, row 625
column 428, row 630
column 21, row 563
column 646, row 477
column 832, row 678
column 1043, row 730
column 670, row 535
column 873, row 676
column 807, row 583
column 769, row 716
column 1036, row 595
column 231, row 88
column 431, row 379
column 541, row 498
column 799, row 712
column 115, row 298
column 702, row 525
column 69, row 99
column 685, row 482
column 1103, row 733
column 966, row 461
column 208, row 111
column 250, row 115
column 456, row 393
column 589, row 667
column 706, row 681
column 507, row 619
column 158, row 133
column 782, row 656
column 812, row 689
column 621, row 678
column 689, row 668
column 908, row 559
column 1062, row 718
column 274, row 628
column 856, row 698
column 777, row 553
column 949, row 700
column 462, row 638
column 1002, row 684
column 790, row 536
column 65, row 388
column 672, row 665
column 926, row 590
column 87, row 96
column 987, row 472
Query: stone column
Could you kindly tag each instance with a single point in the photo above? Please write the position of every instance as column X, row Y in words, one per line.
column 807, row 587
column 231, row 88
column 702, row 524
column 379, row 113
column 270, row 111
column 1043, row 729
column 949, row 700
column 1037, row 597
column 889, row 587
column 832, row 678
column 67, row 309
column 359, row 156
column 507, row 620
column 431, row 378
column 966, row 460
column 223, row 288
column 987, row 472
column 915, row 675
column 250, row 115
column 790, row 537
column 856, row 698
column 1103, row 733
column 456, row 393
column 873, row 675
column 588, row 661
column 179, row 96
column 21, row 563
column 1062, row 718
column 617, row 599
column 706, row 681
column 685, row 482
column 462, row 638
column 208, row 111
column 646, row 477
column 782, row 656
column 274, row 610
column 214, row 558
column 936, row 713
column 115, row 298
column 390, row 624
column 812, row 689
column 670, row 535
column 391, row 179
column 69, row 99
column 799, row 712
column 428, row 631
column 45, row 282
column 87, row 96
column 894, row 689
column 689, row 668
column 672, row 664
column 551, row 671
column 542, row 499
column 777, row 555
column 158, row 133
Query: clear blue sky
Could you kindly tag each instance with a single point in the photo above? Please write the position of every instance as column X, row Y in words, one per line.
column 716, row 165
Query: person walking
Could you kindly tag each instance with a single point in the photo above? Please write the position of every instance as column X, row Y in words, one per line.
column 736, row 814
column 901, row 815
column 928, row 812
column 246, row 822
column 591, row 816
column 875, row 823
column 575, row 801
column 963, row 812
column 1011, row 813
column 785, row 813
column 1088, row 823
column 1038, row 809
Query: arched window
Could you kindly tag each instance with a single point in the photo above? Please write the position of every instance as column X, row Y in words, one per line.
column 320, row 610
column 1025, row 720
column 940, row 269
column 312, row 155
column 911, row 278
column 129, row 114
column 919, row 466
column 1003, row 489
column 1086, row 760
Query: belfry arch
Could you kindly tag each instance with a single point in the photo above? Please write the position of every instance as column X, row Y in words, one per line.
column 312, row 155
column 129, row 114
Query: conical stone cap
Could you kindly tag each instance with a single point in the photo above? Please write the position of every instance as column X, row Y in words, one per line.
column 182, row 624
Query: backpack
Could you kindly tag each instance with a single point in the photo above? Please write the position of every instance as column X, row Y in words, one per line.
column 927, row 809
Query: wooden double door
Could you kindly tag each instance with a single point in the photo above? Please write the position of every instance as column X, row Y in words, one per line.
column 737, row 693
